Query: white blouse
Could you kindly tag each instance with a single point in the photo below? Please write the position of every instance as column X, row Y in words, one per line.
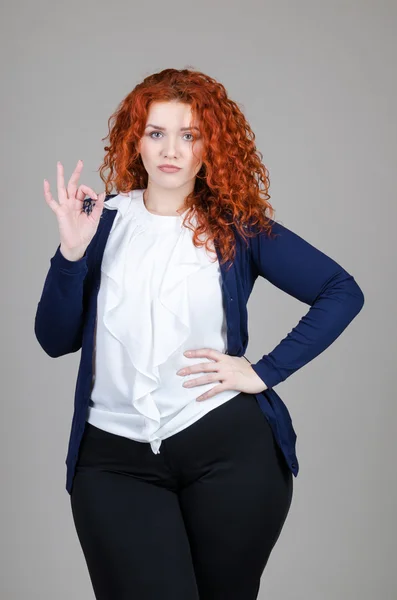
column 159, row 296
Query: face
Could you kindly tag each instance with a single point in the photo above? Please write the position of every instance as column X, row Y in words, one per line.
column 168, row 139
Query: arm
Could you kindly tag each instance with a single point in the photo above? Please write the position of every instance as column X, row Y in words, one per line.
column 59, row 317
column 304, row 272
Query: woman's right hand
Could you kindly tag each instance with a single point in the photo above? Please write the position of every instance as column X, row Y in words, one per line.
column 76, row 227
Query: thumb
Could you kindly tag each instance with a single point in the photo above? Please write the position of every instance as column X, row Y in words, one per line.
column 97, row 209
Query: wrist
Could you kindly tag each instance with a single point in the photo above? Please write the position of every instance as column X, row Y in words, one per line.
column 72, row 254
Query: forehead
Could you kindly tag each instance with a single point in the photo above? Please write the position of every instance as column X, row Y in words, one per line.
column 169, row 114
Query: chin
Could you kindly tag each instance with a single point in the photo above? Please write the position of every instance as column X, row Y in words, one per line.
column 170, row 183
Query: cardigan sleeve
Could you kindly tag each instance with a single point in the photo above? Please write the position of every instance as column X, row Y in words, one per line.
column 304, row 272
column 59, row 318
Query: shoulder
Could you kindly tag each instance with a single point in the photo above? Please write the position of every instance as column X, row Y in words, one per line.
column 125, row 202
column 117, row 201
column 110, row 196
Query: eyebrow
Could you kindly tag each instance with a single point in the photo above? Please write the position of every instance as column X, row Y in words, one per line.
column 164, row 128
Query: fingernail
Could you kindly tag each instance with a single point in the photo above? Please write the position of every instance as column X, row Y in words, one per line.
column 95, row 196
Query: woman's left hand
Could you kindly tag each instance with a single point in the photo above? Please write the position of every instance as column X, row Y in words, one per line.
column 235, row 373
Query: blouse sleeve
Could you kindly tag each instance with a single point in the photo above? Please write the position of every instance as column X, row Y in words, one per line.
column 304, row 272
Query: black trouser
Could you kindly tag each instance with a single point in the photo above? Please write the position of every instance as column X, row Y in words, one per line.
column 196, row 521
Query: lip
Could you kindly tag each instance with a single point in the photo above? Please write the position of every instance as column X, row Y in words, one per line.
column 169, row 168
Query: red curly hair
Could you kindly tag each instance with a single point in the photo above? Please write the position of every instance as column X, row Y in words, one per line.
column 227, row 190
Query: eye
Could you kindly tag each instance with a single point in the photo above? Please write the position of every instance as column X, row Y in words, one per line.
column 156, row 138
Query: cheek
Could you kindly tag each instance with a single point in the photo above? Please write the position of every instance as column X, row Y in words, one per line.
column 196, row 158
column 146, row 148
column 147, row 155
column 142, row 147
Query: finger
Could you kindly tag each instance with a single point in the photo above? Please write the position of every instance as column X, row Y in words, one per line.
column 74, row 179
column 62, row 193
column 201, row 380
column 213, row 391
column 208, row 367
column 84, row 191
column 97, row 209
column 48, row 197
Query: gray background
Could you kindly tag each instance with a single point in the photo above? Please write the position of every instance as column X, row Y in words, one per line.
column 317, row 82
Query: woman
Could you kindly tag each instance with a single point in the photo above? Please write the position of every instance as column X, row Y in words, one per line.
column 180, row 464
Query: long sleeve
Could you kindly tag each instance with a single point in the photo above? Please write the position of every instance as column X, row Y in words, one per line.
column 301, row 270
column 59, row 319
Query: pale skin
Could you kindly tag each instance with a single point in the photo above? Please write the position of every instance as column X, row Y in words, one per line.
column 171, row 136
column 77, row 229
column 234, row 372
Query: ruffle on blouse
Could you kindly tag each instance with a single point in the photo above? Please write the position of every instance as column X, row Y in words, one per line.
column 170, row 315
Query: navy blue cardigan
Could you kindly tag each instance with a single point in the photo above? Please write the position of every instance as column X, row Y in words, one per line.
column 66, row 315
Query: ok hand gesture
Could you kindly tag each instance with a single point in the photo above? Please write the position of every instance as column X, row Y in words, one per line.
column 76, row 227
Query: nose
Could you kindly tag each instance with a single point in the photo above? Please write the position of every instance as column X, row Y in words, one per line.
column 170, row 147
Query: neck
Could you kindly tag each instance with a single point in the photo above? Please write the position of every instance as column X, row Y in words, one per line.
column 167, row 202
